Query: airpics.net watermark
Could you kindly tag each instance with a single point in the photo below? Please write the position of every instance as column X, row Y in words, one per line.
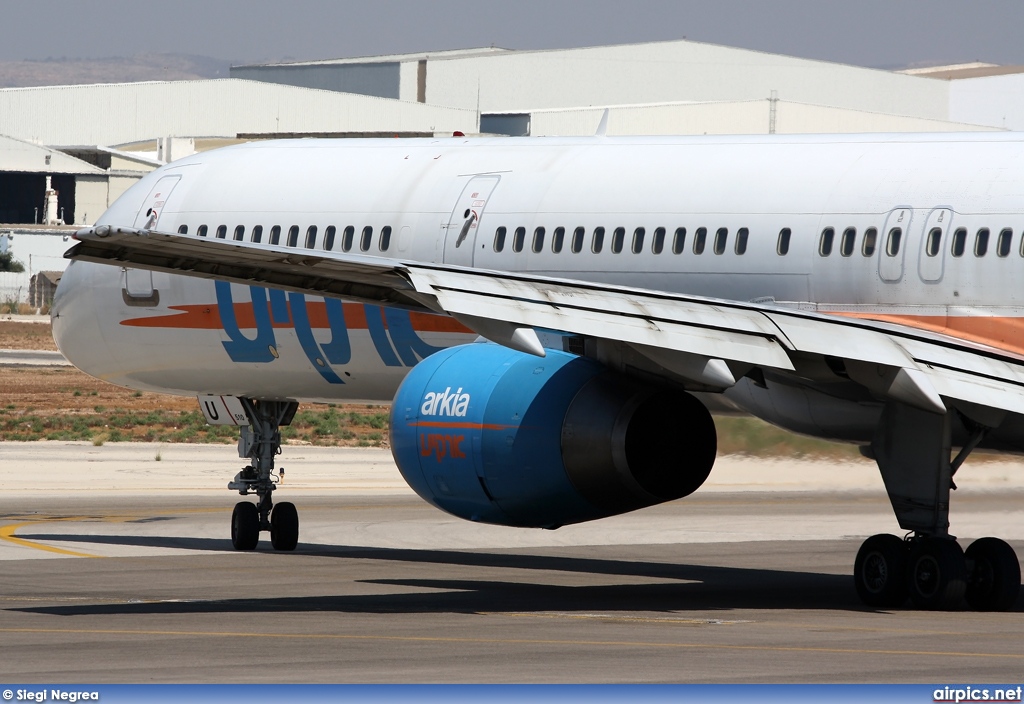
column 49, row 695
column 967, row 695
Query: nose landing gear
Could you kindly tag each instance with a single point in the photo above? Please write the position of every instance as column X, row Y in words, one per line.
column 261, row 443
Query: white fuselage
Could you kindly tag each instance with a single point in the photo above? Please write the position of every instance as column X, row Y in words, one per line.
column 704, row 216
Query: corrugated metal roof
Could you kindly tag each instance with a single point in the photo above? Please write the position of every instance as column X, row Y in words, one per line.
column 120, row 113
column 724, row 118
column 391, row 58
column 961, row 71
column 25, row 157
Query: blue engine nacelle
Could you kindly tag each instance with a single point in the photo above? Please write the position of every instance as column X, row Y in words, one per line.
column 494, row 435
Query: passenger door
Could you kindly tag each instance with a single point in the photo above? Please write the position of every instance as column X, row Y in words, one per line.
column 464, row 223
column 149, row 213
column 893, row 243
column 934, row 245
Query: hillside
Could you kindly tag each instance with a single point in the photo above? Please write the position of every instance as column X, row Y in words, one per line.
column 141, row 67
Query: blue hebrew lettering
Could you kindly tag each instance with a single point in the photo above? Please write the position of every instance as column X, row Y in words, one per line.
column 304, row 331
column 278, row 306
column 375, row 324
column 338, row 350
column 407, row 343
column 239, row 347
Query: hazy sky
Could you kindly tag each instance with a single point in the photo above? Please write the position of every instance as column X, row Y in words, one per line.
column 880, row 33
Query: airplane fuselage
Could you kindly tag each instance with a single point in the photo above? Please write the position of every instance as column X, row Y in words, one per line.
column 921, row 230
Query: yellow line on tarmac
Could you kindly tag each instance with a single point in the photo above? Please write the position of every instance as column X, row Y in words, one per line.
column 516, row 641
column 7, row 533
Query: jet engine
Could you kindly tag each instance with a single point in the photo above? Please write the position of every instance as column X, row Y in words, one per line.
column 498, row 436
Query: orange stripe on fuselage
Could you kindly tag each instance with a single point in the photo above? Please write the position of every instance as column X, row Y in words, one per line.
column 1002, row 333
column 207, row 317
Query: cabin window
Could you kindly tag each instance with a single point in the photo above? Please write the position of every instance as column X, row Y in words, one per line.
column 257, row 233
column 870, row 242
column 311, row 237
column 367, row 239
column 934, row 242
column 239, row 234
column 347, row 238
column 538, row 239
column 700, row 238
column 892, row 244
column 182, row 229
column 578, row 236
column 783, row 246
column 981, row 242
column 679, row 240
column 519, row 239
column 825, row 243
column 618, row 237
column 293, row 236
column 848, row 241
column 741, row 240
column 959, row 242
column 658, row 243
column 499, row 239
column 385, row 238
column 275, row 234
column 721, row 239
column 222, row 231
column 329, row 234
column 558, row 239
column 1005, row 242
column 638, row 240
column 598, row 242
column 201, row 232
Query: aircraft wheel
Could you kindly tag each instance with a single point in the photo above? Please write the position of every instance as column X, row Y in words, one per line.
column 879, row 572
column 284, row 526
column 995, row 579
column 245, row 526
column 937, row 574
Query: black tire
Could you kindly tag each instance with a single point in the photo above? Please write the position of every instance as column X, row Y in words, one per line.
column 995, row 579
column 284, row 526
column 879, row 572
column 245, row 526
column 937, row 574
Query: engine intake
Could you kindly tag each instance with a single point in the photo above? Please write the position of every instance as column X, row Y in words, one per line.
column 498, row 436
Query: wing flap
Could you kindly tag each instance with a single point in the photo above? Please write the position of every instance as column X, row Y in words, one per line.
column 734, row 334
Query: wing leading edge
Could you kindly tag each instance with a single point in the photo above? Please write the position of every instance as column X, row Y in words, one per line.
column 707, row 343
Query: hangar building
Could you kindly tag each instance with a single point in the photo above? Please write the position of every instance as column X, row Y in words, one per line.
column 102, row 138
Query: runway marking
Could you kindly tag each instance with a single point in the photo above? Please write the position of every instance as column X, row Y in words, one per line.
column 7, row 533
column 624, row 619
column 770, row 624
column 516, row 641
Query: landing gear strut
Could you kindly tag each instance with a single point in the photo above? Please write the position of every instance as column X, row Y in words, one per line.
column 912, row 448
column 260, row 442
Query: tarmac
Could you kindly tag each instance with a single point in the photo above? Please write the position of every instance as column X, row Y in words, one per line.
column 116, row 566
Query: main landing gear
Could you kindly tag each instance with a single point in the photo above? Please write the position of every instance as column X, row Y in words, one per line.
column 912, row 448
column 261, row 442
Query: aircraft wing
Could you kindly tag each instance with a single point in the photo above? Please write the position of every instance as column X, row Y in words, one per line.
column 707, row 342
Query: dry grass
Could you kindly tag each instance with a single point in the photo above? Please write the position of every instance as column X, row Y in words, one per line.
column 16, row 335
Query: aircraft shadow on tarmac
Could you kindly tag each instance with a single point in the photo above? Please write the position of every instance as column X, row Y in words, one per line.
column 693, row 587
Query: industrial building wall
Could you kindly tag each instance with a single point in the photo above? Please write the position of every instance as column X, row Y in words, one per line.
column 748, row 117
column 990, row 100
column 129, row 112
column 377, row 79
column 91, row 199
column 118, row 185
column 672, row 71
